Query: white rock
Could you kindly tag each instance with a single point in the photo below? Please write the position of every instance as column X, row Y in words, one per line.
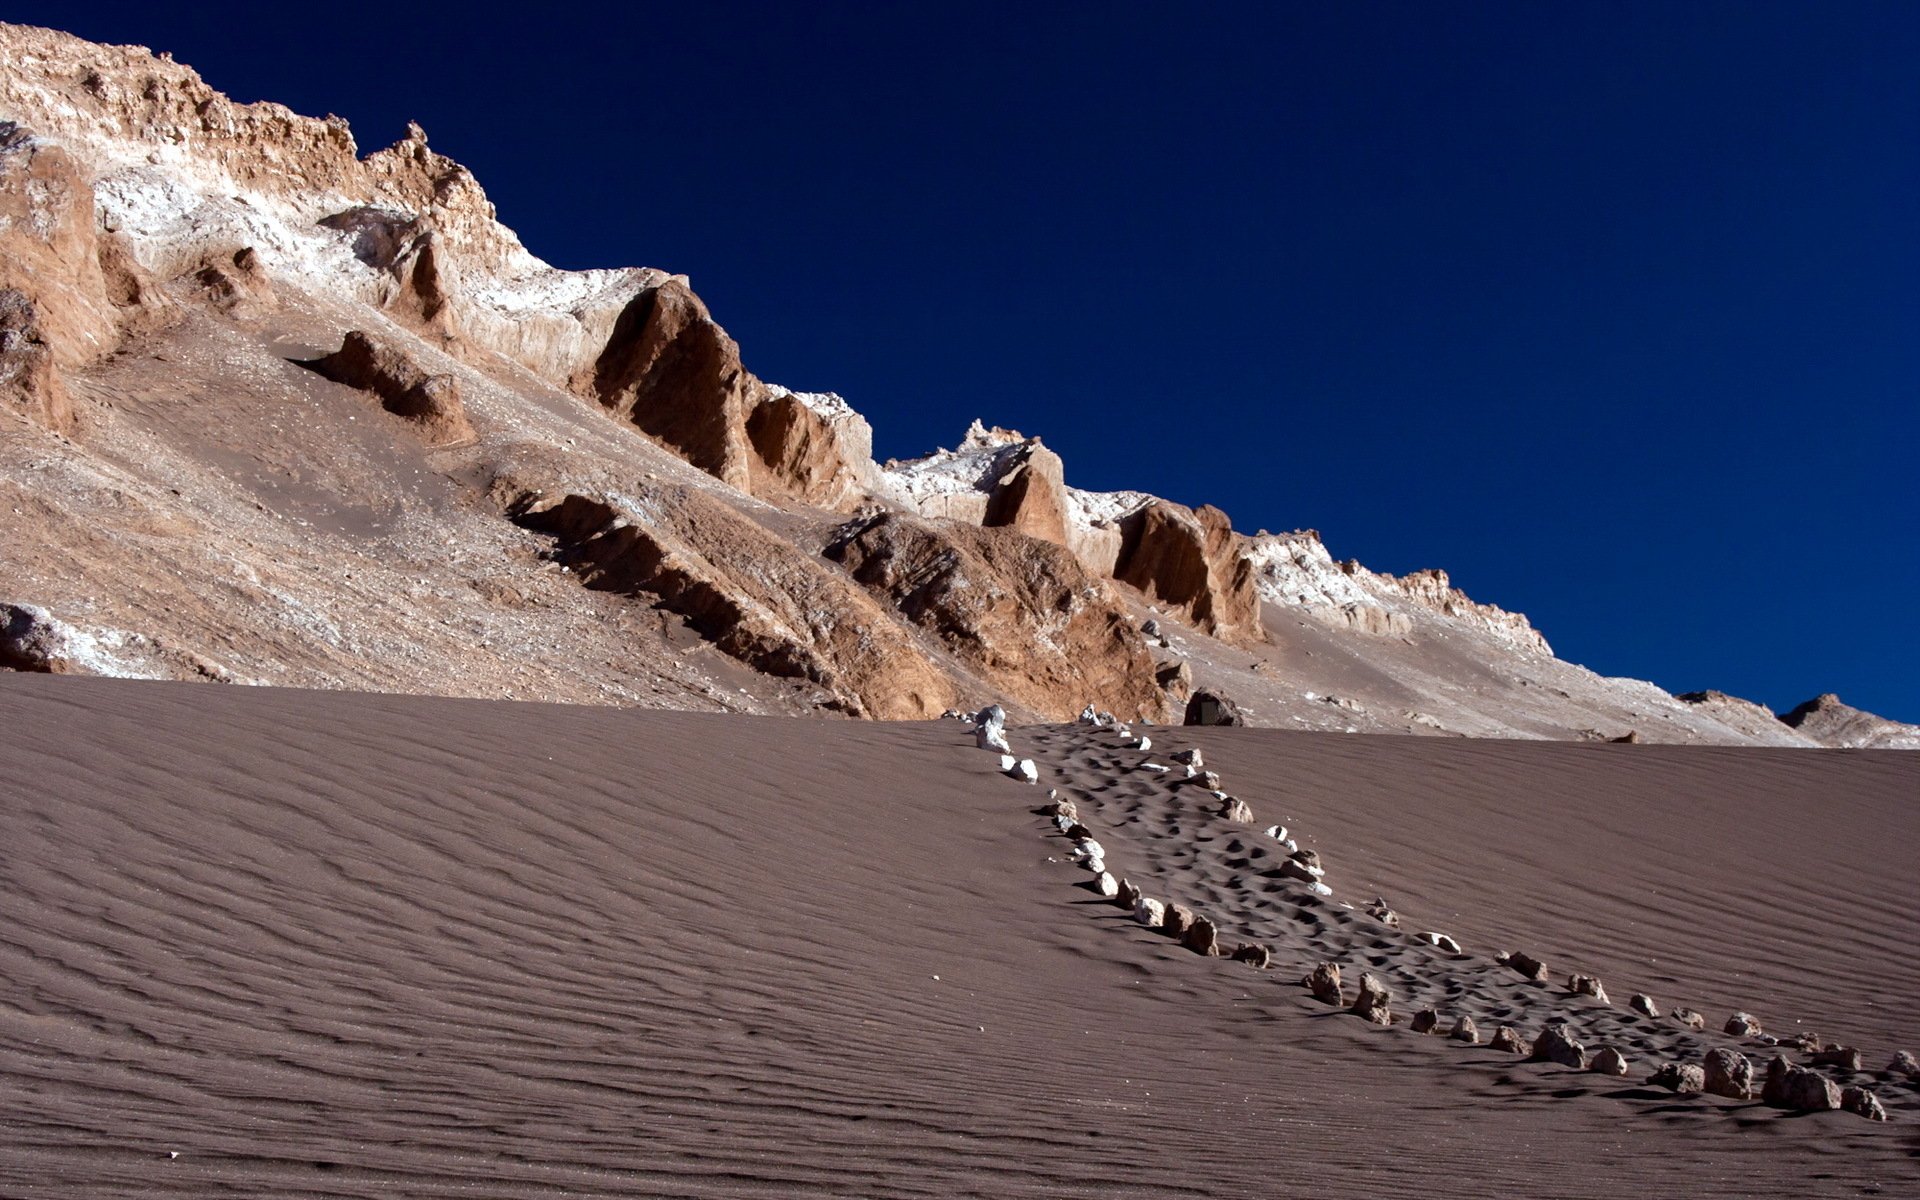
column 1088, row 848
column 1107, row 885
column 1155, row 767
column 1319, row 889
column 1025, row 771
column 1089, row 716
column 1150, row 912
column 1442, row 941
column 1006, row 762
column 1277, row 832
column 1064, row 822
column 1192, row 771
column 1146, row 743
column 991, row 737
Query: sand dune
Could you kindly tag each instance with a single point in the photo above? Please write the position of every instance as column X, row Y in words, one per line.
column 358, row 945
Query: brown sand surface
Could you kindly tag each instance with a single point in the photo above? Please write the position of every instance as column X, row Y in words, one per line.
column 357, row 945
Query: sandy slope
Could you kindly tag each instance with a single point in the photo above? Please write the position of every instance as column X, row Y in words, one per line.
column 349, row 944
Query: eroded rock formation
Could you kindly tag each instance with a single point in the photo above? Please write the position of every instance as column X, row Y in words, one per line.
column 1189, row 559
column 754, row 596
column 404, row 387
column 1022, row 612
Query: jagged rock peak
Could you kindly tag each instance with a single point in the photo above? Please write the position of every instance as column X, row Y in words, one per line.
column 1831, row 721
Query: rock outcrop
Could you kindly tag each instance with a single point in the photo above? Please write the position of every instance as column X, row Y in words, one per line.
column 1324, row 982
column 1211, row 708
column 405, row 388
column 30, row 382
column 1831, row 722
column 1190, row 560
column 1020, row 611
column 1686, row 1079
column 1374, row 1002
column 812, row 447
column 673, row 372
column 1798, row 1088
column 1728, row 1073
column 1557, row 1044
column 754, row 596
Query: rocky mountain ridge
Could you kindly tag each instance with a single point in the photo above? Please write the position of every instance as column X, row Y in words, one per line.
column 281, row 413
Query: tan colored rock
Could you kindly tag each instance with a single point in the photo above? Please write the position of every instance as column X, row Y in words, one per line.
column 1324, row 982
column 1425, row 1021
column 1728, row 1073
column 1557, row 1044
column 1904, row 1064
column 1031, row 496
column 1508, row 1038
column 1526, row 964
column 1587, row 985
column 1021, row 612
column 814, row 448
column 1151, row 913
column 1374, row 1002
column 1381, row 912
column 1847, row 1058
column 1179, row 920
column 1742, row 1024
column 1235, row 809
column 1202, row 937
column 1609, row 1062
column 53, row 253
column 1464, row 1030
column 1862, row 1103
column 1686, row 1079
column 404, row 387
column 672, row 371
column 1644, row 1005
column 1799, row 1088
column 1129, row 896
column 237, row 283
column 1689, row 1018
column 1191, row 559
column 1254, row 955
column 30, row 382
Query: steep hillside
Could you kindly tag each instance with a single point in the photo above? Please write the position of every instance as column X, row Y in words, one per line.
column 275, row 412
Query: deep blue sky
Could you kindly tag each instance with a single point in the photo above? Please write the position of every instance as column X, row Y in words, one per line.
column 1612, row 310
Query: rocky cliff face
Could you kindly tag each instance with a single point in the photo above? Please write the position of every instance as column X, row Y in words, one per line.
column 274, row 412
